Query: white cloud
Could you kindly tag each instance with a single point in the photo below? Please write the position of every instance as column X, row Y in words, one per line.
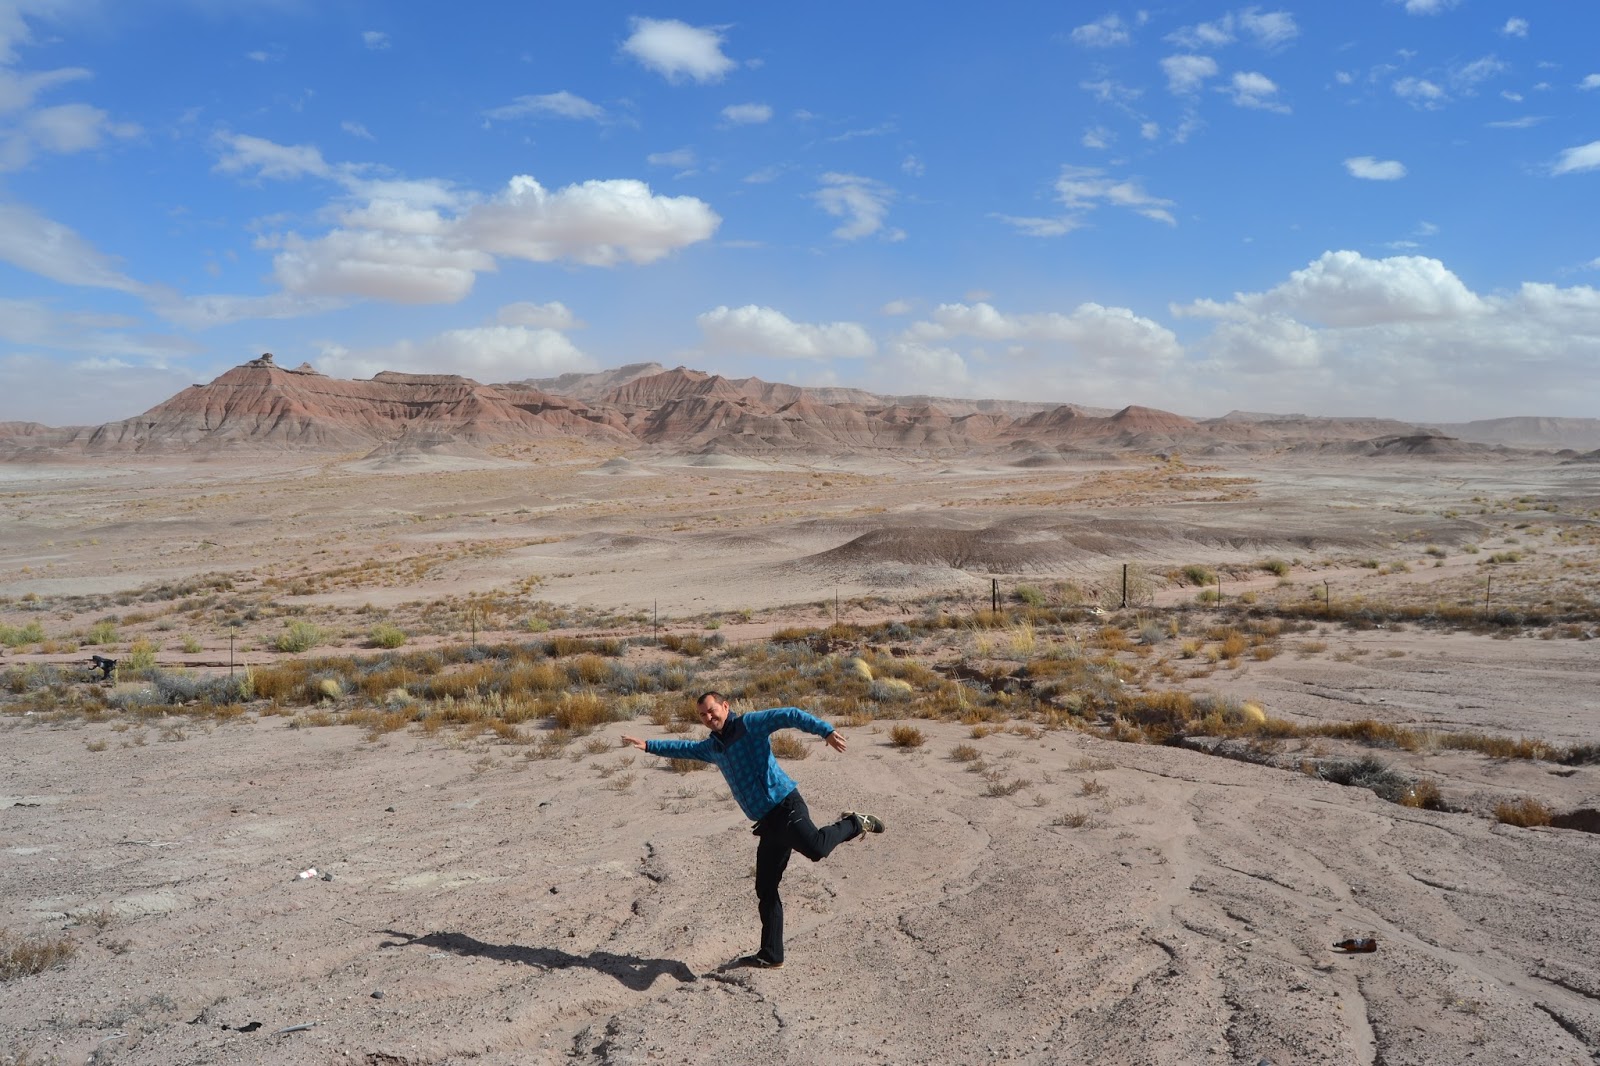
column 1591, row 81
column 752, row 330
column 678, row 158
column 1104, row 32
column 1403, row 337
column 18, row 90
column 597, row 223
column 57, row 391
column 220, row 309
column 1149, row 130
column 1525, row 122
column 1097, row 137
column 241, row 153
column 1271, row 29
column 376, row 40
column 423, row 241
column 63, row 129
column 913, row 166
column 746, row 114
column 1091, row 333
column 561, row 104
column 676, row 50
column 356, row 129
column 1253, row 90
column 1514, row 27
column 1575, row 160
column 1187, row 73
column 921, row 368
column 1427, row 7
column 896, row 307
column 484, row 353
column 1205, row 35
column 47, row 248
column 1083, row 189
column 1365, row 166
column 861, row 202
column 1420, row 93
column 1346, row 289
column 554, row 315
column 1466, row 77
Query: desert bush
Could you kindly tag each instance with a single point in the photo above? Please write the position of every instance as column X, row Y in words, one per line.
column 386, row 635
column 1151, row 631
column 190, row 645
column 997, row 786
column 686, row 766
column 140, row 661
column 906, row 737
column 1524, row 812
column 24, row 957
column 1196, row 574
column 16, row 636
column 789, row 746
column 299, row 635
column 1031, row 595
column 1424, row 794
column 102, row 632
column 964, row 753
column 1280, row 567
column 890, row 690
column 579, row 712
column 1369, row 773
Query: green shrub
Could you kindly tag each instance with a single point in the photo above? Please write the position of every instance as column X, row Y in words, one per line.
column 15, row 636
column 1031, row 595
column 1196, row 574
column 386, row 635
column 299, row 635
column 102, row 632
column 1280, row 567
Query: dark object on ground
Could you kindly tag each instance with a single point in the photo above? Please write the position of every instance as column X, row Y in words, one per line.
column 760, row 962
column 1357, row 945
column 104, row 665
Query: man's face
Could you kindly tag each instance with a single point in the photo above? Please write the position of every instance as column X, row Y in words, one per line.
column 713, row 713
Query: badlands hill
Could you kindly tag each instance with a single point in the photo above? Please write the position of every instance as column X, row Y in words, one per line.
column 263, row 407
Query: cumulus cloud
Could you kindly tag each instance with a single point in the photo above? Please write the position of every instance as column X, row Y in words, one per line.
column 554, row 315
column 1257, row 91
column 746, row 114
column 64, row 129
column 677, row 50
column 1403, row 336
column 1204, row 35
column 1092, row 332
column 1097, row 137
column 561, row 104
column 679, row 159
column 896, row 307
column 1514, row 27
column 1347, row 289
column 1426, row 7
column 356, row 129
column 925, row 368
column 424, row 241
column 1187, row 73
column 376, row 40
column 752, row 330
column 862, row 203
column 83, row 390
column 1270, row 29
column 1575, row 160
column 1591, row 81
column 1107, row 31
column 1365, row 166
column 484, row 353
column 597, row 223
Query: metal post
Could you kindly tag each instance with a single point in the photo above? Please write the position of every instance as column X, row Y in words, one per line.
column 1488, row 583
column 1219, row 588
column 1327, row 596
column 1124, row 585
column 474, row 616
column 655, row 621
column 994, row 595
column 231, row 631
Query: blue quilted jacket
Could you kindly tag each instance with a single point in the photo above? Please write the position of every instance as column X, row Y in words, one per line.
column 743, row 753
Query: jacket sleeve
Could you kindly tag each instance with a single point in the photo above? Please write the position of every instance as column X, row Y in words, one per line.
column 680, row 749
column 768, row 722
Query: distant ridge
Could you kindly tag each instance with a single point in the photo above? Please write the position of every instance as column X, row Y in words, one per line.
column 401, row 420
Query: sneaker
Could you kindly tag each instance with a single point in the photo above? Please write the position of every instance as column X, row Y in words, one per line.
column 867, row 823
column 759, row 961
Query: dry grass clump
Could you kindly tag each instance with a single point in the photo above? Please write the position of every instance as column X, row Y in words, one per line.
column 906, row 736
column 686, row 766
column 386, row 635
column 299, row 635
column 789, row 746
column 579, row 712
column 692, row 645
column 1524, row 812
column 23, row 957
column 964, row 753
column 996, row 786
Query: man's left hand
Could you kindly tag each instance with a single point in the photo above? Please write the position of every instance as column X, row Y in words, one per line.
column 835, row 740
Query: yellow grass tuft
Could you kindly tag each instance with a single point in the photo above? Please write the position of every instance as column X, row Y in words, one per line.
column 1524, row 812
column 906, row 737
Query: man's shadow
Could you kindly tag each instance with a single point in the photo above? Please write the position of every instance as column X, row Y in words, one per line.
column 630, row 970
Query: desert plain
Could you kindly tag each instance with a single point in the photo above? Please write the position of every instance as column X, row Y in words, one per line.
column 1343, row 693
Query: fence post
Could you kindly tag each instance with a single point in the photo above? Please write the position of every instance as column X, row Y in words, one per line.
column 1124, row 586
column 1488, row 583
column 1327, row 597
column 994, row 595
column 655, row 621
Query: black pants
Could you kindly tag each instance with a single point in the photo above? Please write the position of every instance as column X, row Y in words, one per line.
column 786, row 828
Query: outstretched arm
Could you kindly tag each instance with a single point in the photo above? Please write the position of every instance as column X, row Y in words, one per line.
column 635, row 741
column 835, row 740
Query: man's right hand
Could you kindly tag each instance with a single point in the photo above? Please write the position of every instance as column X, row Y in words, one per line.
column 635, row 741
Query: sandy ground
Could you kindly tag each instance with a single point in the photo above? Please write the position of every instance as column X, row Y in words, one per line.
column 584, row 909
column 1128, row 904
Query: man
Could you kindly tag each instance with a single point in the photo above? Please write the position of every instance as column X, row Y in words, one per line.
column 740, row 747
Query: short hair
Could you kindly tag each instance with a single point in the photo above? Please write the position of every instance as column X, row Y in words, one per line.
column 706, row 695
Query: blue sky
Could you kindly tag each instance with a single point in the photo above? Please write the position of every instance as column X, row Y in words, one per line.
column 1380, row 207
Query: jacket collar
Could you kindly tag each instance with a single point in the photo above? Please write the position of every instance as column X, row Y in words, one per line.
column 731, row 730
